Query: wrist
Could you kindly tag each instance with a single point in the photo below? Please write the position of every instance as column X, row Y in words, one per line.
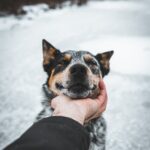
column 77, row 118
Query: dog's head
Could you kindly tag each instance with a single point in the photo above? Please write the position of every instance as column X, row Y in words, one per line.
column 74, row 73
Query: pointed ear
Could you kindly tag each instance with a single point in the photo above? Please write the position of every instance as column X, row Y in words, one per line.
column 103, row 60
column 50, row 55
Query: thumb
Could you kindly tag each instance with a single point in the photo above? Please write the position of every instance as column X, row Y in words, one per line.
column 91, row 106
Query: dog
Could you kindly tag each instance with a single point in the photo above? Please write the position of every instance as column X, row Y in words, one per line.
column 75, row 74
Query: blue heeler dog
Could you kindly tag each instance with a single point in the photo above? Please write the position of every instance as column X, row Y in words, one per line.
column 75, row 74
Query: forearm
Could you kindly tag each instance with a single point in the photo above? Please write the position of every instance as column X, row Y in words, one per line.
column 58, row 133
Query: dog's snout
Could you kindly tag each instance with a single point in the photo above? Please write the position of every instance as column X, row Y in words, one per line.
column 78, row 69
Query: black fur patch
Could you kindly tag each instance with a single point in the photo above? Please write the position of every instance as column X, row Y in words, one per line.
column 61, row 65
column 102, row 59
column 52, row 63
column 93, row 66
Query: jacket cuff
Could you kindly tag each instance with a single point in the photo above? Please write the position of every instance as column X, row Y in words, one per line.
column 67, row 122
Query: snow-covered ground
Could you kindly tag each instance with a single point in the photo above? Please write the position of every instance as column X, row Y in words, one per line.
column 123, row 26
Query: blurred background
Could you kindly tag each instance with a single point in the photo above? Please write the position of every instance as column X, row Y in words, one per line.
column 95, row 25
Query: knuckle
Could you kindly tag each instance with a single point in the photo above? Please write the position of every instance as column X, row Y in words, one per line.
column 53, row 103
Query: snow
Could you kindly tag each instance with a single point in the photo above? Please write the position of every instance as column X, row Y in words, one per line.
column 122, row 26
column 126, row 55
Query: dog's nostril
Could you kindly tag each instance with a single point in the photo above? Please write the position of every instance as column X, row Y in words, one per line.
column 78, row 68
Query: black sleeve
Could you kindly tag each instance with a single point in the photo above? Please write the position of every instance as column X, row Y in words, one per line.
column 53, row 133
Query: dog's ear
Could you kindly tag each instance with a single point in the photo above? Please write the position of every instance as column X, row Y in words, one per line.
column 103, row 60
column 50, row 56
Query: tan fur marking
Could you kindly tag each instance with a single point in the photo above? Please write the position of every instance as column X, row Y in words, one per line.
column 104, row 56
column 59, row 65
column 67, row 57
column 87, row 57
column 105, row 61
column 48, row 55
column 53, row 79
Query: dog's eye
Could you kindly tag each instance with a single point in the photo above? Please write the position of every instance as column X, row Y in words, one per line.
column 91, row 62
column 63, row 62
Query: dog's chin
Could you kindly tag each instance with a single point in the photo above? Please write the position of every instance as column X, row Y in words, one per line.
column 75, row 95
column 81, row 93
column 78, row 91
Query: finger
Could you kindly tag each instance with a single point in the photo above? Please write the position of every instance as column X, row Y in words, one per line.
column 102, row 108
column 101, row 100
column 103, row 92
column 61, row 99
column 93, row 109
column 92, row 117
column 102, row 88
column 102, row 85
column 54, row 102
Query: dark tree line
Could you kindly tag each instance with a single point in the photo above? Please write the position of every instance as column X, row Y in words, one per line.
column 15, row 6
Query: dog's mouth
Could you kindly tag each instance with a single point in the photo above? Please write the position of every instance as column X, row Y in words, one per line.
column 77, row 90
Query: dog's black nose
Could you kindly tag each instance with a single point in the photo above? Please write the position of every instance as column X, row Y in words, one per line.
column 78, row 69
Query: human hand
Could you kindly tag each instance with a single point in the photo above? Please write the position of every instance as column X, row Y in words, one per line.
column 82, row 110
